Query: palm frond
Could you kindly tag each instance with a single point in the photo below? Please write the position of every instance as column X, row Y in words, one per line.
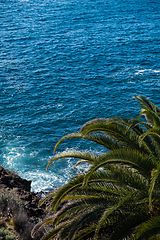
column 119, row 131
column 153, row 223
column 132, row 158
column 63, row 191
column 145, row 102
column 154, row 133
column 85, row 232
column 68, row 136
column 40, row 224
column 109, row 211
column 154, row 175
column 128, row 222
column 124, row 176
column 52, row 234
column 86, row 156
column 94, row 137
column 75, row 225
column 150, row 111
column 137, row 126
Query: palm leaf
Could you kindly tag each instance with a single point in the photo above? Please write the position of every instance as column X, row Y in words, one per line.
column 52, row 234
column 145, row 102
column 154, row 175
column 109, row 211
column 150, row 111
column 40, row 224
column 154, row 132
column 94, row 137
column 119, row 131
column 127, row 176
column 84, row 233
column 132, row 158
column 147, row 226
column 86, row 156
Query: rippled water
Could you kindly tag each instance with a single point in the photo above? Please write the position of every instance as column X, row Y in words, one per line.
column 63, row 63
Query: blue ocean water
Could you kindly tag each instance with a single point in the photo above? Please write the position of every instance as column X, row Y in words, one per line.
column 64, row 62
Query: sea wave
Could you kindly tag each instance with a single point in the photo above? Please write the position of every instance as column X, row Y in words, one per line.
column 63, row 63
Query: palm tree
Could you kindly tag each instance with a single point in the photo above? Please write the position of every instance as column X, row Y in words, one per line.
column 118, row 197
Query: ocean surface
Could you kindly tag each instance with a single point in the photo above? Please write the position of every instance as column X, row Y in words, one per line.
column 64, row 62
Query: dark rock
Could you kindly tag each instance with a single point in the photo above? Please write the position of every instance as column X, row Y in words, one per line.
column 12, row 180
column 25, row 219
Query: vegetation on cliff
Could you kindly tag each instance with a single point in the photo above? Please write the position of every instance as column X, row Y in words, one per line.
column 19, row 210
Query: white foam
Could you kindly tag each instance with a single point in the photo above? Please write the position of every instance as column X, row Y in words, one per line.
column 146, row 70
column 13, row 156
column 41, row 180
column 59, row 173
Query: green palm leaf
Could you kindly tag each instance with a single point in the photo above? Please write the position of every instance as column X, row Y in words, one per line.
column 51, row 234
column 109, row 211
column 148, row 226
column 94, row 137
column 154, row 175
column 86, row 156
column 85, row 232
column 150, row 111
column 155, row 133
column 119, row 131
column 132, row 158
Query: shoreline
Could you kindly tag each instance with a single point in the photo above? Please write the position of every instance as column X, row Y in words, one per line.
column 20, row 211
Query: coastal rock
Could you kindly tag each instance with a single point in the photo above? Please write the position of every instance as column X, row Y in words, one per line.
column 17, row 202
column 11, row 180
